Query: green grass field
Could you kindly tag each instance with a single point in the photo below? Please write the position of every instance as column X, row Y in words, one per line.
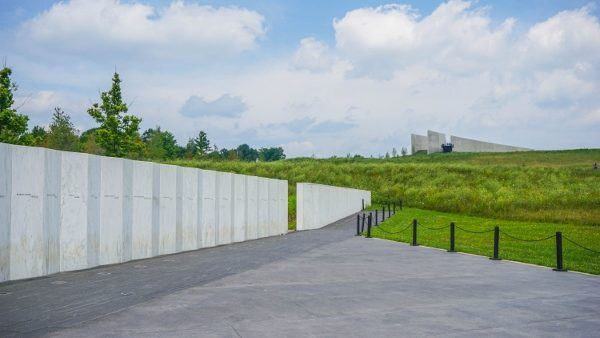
column 539, row 252
column 537, row 186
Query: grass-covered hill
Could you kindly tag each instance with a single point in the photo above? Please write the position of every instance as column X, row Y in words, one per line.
column 543, row 186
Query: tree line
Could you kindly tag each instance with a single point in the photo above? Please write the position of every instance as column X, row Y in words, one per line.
column 117, row 132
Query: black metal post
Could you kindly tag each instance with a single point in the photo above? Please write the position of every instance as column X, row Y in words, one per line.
column 363, row 223
column 357, row 224
column 394, row 206
column 363, row 204
column 559, row 253
column 389, row 211
column 376, row 217
column 496, row 244
column 451, row 237
column 414, row 238
column 383, row 214
column 369, row 226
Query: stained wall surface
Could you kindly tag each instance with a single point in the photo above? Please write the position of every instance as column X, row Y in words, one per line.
column 319, row 205
column 418, row 143
column 63, row 211
column 464, row 145
column 435, row 141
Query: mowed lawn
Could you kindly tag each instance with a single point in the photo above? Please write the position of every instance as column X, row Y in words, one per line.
column 537, row 252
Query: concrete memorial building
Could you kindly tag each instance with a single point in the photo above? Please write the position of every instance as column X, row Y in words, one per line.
column 435, row 142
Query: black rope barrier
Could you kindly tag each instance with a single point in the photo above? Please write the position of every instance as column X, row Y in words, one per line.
column 526, row 240
column 581, row 246
column 474, row 232
column 395, row 232
column 415, row 225
column 434, row 229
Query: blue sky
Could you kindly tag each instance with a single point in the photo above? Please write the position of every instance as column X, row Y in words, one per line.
column 318, row 77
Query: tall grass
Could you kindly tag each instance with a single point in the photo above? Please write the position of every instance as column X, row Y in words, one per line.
column 547, row 186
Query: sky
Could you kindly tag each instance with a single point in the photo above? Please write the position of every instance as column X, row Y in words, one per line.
column 318, row 78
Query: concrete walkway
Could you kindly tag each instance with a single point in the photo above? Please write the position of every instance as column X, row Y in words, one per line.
column 313, row 283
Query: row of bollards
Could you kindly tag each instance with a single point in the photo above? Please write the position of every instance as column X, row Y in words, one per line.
column 368, row 220
column 391, row 210
column 496, row 250
column 360, row 229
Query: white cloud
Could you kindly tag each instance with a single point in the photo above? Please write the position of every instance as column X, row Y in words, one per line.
column 453, row 38
column 224, row 106
column 40, row 105
column 312, row 55
column 298, row 148
column 562, row 87
column 592, row 117
column 568, row 33
column 96, row 28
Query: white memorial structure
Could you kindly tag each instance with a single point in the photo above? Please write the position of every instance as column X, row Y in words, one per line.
column 63, row 211
column 318, row 205
column 432, row 143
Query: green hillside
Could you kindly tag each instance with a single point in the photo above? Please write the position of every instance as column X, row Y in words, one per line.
column 543, row 186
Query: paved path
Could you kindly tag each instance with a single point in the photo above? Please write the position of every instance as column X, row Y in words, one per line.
column 321, row 283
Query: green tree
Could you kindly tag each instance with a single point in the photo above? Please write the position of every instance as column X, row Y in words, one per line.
column 224, row 153
column 38, row 135
column 271, row 154
column 13, row 126
column 118, row 133
column 88, row 142
column 160, row 144
column 62, row 134
column 198, row 146
column 246, row 153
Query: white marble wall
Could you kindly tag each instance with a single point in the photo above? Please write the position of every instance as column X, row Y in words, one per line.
column 435, row 141
column 141, row 209
column 73, row 201
column 465, row 145
column 252, row 207
column 63, row 211
column 319, row 205
column 239, row 208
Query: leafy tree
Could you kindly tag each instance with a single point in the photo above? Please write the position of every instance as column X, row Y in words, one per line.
column 160, row 144
column 88, row 142
column 198, row 146
column 214, row 155
column 246, row 153
column 394, row 152
column 13, row 126
column 404, row 151
column 62, row 134
column 387, row 155
column 224, row 153
column 118, row 133
column 232, row 155
column 38, row 135
column 271, row 154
